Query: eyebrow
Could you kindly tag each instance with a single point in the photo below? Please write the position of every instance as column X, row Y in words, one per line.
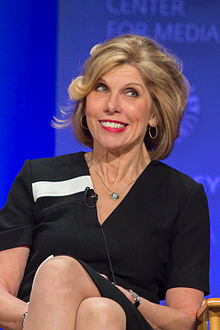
column 126, row 85
column 134, row 83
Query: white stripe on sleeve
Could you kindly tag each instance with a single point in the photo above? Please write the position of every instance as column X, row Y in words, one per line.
column 61, row 188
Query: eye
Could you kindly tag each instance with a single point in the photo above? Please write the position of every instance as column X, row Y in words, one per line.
column 132, row 92
column 100, row 87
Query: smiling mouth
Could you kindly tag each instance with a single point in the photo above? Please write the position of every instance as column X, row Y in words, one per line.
column 112, row 124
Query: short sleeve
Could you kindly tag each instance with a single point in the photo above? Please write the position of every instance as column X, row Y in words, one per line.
column 16, row 217
column 188, row 264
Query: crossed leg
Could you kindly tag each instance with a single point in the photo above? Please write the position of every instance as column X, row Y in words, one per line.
column 100, row 313
column 64, row 297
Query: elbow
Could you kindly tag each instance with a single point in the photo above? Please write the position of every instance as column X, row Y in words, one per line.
column 187, row 321
column 183, row 321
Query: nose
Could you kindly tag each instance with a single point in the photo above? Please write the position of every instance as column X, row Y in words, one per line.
column 112, row 103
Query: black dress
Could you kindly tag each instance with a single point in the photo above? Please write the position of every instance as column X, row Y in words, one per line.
column 157, row 237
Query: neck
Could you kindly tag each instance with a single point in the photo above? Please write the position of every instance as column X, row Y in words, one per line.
column 115, row 166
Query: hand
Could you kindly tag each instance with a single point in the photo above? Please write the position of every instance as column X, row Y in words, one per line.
column 126, row 292
column 105, row 276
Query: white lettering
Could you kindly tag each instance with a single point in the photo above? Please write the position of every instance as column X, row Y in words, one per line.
column 195, row 108
column 141, row 28
column 111, row 29
column 153, row 7
column 193, row 104
column 192, row 32
column 179, row 32
column 199, row 179
column 126, row 7
column 175, row 32
column 163, row 8
column 177, row 8
column 212, row 183
column 164, row 34
column 116, row 28
column 202, row 32
column 189, row 33
column 139, row 6
column 126, row 27
column 111, row 9
column 213, row 34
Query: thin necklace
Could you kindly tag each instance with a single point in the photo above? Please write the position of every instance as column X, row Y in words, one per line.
column 114, row 196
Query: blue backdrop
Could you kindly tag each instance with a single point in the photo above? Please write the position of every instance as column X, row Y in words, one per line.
column 27, row 84
column 43, row 46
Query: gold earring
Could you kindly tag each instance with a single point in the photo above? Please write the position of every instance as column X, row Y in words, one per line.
column 153, row 137
column 81, row 119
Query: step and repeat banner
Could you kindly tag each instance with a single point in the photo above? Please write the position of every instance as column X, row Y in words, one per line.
column 191, row 30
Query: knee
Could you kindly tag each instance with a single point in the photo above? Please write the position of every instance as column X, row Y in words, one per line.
column 101, row 312
column 58, row 273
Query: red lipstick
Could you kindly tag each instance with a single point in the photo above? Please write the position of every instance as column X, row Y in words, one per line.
column 113, row 129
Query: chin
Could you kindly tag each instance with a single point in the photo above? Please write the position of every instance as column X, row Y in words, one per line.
column 111, row 146
column 107, row 144
column 116, row 148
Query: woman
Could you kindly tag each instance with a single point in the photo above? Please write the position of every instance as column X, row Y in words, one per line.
column 126, row 230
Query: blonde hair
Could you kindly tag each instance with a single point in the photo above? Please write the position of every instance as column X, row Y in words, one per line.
column 162, row 75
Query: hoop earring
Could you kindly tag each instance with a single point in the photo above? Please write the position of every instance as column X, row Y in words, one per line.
column 83, row 125
column 153, row 137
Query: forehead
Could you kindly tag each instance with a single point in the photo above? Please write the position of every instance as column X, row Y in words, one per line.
column 124, row 72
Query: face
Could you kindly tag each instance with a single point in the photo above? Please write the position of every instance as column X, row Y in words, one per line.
column 118, row 109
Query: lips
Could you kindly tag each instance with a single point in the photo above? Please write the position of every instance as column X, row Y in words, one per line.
column 113, row 125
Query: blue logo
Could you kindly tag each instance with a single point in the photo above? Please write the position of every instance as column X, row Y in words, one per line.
column 191, row 116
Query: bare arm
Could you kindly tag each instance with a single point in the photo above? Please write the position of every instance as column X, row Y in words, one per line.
column 12, row 265
column 182, row 305
column 180, row 311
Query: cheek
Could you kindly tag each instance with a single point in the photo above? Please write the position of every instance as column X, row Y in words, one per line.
column 93, row 106
column 90, row 102
column 141, row 115
column 145, row 112
column 88, row 106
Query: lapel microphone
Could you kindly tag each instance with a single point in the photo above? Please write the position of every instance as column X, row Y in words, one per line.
column 90, row 198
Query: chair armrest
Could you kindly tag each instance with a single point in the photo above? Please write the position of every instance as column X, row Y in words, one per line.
column 209, row 311
column 202, row 316
column 214, row 313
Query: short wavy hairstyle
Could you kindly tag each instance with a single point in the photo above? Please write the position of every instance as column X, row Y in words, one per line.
column 162, row 74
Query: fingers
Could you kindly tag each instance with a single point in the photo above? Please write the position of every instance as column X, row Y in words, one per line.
column 123, row 290
column 126, row 292
column 105, row 276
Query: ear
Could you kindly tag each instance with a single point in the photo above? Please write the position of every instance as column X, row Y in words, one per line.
column 153, row 121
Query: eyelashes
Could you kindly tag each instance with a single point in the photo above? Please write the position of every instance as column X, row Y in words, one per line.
column 100, row 87
column 132, row 92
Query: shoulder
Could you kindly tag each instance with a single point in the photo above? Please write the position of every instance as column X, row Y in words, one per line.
column 58, row 168
column 173, row 180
